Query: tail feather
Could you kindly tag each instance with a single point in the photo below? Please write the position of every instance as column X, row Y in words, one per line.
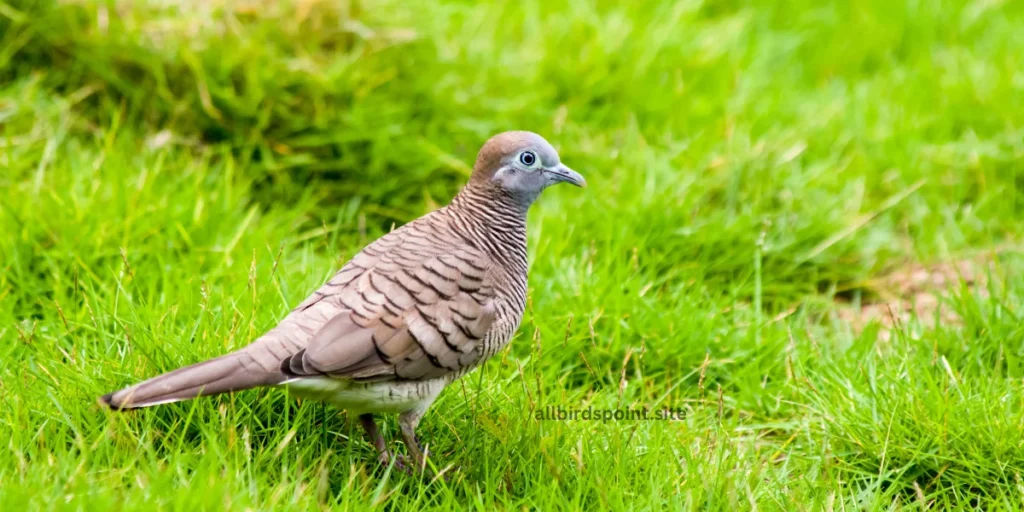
column 233, row 372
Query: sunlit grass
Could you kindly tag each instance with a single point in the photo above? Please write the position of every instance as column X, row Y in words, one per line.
column 174, row 178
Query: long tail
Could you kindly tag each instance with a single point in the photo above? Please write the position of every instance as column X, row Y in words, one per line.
column 250, row 367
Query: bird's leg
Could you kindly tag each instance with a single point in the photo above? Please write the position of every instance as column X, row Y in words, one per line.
column 408, row 421
column 370, row 425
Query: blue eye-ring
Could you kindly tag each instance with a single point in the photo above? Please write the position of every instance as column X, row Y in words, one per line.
column 528, row 158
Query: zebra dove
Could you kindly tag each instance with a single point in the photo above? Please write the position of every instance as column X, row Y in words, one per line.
column 409, row 314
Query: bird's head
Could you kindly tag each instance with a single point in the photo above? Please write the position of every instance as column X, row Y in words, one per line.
column 522, row 164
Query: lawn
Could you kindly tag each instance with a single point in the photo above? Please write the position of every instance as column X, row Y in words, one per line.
column 803, row 231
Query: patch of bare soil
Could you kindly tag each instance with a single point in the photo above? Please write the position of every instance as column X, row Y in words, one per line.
column 916, row 290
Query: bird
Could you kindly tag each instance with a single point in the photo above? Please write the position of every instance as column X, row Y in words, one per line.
column 409, row 314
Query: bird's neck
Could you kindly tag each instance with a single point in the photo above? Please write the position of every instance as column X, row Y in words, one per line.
column 496, row 198
column 494, row 220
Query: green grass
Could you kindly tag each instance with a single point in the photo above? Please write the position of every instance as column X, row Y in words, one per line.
column 175, row 176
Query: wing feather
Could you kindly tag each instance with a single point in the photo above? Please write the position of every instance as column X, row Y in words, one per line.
column 422, row 314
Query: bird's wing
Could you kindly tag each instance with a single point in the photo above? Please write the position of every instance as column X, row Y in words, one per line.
column 407, row 307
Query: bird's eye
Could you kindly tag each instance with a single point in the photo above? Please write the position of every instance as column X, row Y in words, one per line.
column 528, row 158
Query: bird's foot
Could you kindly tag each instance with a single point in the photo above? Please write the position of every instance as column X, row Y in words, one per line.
column 401, row 463
column 408, row 466
column 386, row 459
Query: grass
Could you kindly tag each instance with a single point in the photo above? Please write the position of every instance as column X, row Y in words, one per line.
column 175, row 176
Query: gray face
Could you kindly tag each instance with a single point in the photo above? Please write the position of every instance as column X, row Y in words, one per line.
column 531, row 166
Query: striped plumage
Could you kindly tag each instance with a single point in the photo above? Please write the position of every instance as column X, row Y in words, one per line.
column 409, row 314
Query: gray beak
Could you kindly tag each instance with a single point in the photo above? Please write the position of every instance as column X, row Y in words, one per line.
column 561, row 173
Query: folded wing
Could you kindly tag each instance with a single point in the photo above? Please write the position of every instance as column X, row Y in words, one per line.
column 409, row 316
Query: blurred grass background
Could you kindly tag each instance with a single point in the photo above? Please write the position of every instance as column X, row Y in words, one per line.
column 175, row 175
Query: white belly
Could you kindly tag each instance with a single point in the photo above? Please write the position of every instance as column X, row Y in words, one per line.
column 362, row 397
